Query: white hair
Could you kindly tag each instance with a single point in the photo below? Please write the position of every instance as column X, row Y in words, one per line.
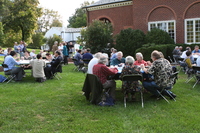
column 139, row 54
column 103, row 59
column 120, row 52
column 98, row 55
column 130, row 60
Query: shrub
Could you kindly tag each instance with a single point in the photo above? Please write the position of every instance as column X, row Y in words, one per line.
column 166, row 49
column 129, row 40
column 98, row 35
column 2, row 36
column 158, row 36
column 50, row 41
column 38, row 40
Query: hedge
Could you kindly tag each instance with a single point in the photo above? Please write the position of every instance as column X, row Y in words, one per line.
column 166, row 49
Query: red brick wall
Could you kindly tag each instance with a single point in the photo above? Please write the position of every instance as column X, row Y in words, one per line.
column 144, row 11
column 120, row 17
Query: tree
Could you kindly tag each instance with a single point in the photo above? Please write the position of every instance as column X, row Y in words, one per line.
column 11, row 36
column 129, row 40
column 79, row 19
column 23, row 17
column 2, row 39
column 49, row 18
column 50, row 41
column 38, row 40
column 158, row 36
column 98, row 36
column 4, row 11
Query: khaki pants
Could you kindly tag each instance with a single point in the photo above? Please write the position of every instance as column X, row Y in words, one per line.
column 110, row 84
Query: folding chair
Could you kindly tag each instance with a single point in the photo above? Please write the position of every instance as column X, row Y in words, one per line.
column 58, row 70
column 131, row 78
column 76, row 68
column 173, row 77
column 197, row 74
column 9, row 77
column 173, row 63
column 190, row 74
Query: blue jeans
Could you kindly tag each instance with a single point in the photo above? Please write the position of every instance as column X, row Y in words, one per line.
column 152, row 88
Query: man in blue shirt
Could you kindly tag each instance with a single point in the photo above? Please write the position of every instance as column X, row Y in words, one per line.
column 196, row 50
column 119, row 60
column 78, row 57
column 11, row 62
column 87, row 56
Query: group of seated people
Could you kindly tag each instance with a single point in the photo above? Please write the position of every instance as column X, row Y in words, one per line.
column 160, row 69
column 190, row 59
column 40, row 69
column 82, row 58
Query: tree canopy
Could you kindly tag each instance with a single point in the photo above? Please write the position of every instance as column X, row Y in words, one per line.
column 98, row 36
column 129, row 40
column 22, row 17
column 79, row 18
column 49, row 18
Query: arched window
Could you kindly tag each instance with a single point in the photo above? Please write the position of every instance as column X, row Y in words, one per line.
column 105, row 20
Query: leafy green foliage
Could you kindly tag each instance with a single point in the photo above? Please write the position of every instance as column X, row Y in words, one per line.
column 79, row 19
column 2, row 36
column 50, row 41
column 98, row 36
column 129, row 40
column 49, row 18
column 22, row 17
column 81, row 40
column 166, row 49
column 11, row 37
column 38, row 40
column 158, row 36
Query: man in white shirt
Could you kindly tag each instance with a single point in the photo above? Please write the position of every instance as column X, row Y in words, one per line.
column 32, row 54
column 93, row 62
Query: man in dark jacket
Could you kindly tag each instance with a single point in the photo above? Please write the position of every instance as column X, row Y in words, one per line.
column 54, row 63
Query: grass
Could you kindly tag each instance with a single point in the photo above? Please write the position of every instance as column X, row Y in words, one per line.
column 59, row 106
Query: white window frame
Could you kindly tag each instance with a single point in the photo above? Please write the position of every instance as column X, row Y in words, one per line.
column 194, row 33
column 166, row 21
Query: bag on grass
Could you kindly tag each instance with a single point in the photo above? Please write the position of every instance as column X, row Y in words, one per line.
column 2, row 78
column 109, row 101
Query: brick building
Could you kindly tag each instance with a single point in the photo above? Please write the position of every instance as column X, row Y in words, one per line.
column 180, row 18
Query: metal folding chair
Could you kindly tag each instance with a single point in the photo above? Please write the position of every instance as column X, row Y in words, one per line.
column 76, row 68
column 9, row 77
column 197, row 74
column 173, row 77
column 58, row 70
column 131, row 78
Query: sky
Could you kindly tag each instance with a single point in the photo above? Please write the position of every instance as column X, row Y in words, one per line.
column 65, row 8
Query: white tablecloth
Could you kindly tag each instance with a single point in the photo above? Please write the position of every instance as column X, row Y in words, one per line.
column 27, row 62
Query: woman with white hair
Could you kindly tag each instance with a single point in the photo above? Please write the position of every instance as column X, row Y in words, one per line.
column 140, row 60
column 129, row 68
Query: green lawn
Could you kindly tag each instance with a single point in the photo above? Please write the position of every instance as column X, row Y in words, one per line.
column 59, row 106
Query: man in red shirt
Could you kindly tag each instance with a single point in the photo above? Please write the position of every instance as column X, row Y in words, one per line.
column 102, row 72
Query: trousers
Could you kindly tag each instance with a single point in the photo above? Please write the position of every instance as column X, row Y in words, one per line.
column 18, row 71
column 110, row 84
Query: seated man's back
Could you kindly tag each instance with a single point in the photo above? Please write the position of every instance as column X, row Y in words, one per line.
column 38, row 68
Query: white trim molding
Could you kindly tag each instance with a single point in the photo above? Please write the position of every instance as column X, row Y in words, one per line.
column 192, row 30
column 168, row 25
column 110, row 6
